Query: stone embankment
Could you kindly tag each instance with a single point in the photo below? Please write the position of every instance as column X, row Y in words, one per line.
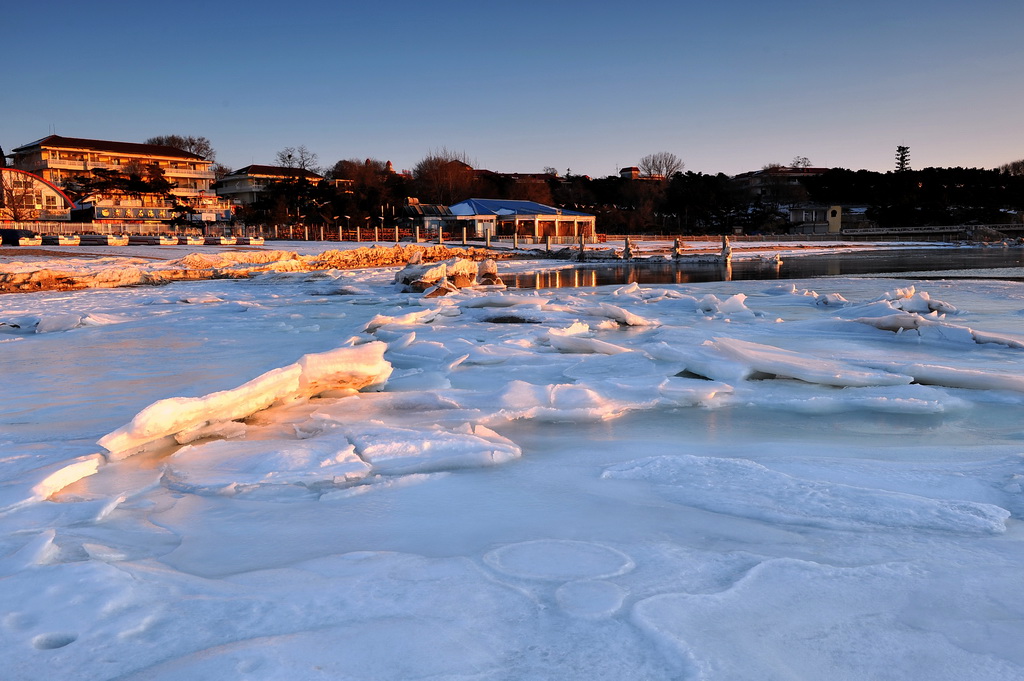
column 231, row 265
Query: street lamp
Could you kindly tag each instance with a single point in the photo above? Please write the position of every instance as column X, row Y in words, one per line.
column 348, row 226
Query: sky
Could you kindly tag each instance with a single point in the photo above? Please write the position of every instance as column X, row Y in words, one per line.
column 584, row 87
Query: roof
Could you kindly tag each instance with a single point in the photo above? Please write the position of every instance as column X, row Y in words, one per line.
column 782, row 170
column 275, row 171
column 507, row 207
column 40, row 180
column 427, row 210
column 56, row 141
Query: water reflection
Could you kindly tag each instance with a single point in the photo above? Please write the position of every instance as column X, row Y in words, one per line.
column 792, row 267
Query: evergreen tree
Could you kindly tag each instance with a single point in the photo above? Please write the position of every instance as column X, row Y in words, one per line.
column 902, row 158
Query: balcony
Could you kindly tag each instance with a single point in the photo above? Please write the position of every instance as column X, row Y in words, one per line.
column 69, row 164
column 188, row 172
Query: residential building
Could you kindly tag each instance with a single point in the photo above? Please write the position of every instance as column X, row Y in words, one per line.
column 244, row 186
column 58, row 160
column 818, row 219
column 776, row 184
column 25, row 197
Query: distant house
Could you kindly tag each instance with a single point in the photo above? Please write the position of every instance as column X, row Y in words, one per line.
column 779, row 184
column 244, row 186
column 818, row 219
column 530, row 221
column 58, row 159
column 26, row 197
column 430, row 217
column 633, row 173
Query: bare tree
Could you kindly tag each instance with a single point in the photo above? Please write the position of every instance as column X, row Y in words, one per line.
column 298, row 157
column 663, row 164
column 220, row 170
column 18, row 197
column 200, row 146
column 1013, row 167
column 445, row 177
column 800, row 162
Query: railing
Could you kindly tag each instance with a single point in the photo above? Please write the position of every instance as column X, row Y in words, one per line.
column 101, row 228
column 590, row 239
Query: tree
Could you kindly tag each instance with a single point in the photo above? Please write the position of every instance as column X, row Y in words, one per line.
column 800, row 162
column 372, row 190
column 444, row 177
column 17, row 197
column 300, row 157
column 220, row 170
column 1015, row 168
column 133, row 180
column 902, row 159
column 662, row 164
column 200, row 146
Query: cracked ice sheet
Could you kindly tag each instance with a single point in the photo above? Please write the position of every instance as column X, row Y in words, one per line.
column 534, row 567
column 790, row 619
column 744, row 488
column 364, row 615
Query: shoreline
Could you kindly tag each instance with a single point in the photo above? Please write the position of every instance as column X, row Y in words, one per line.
column 68, row 268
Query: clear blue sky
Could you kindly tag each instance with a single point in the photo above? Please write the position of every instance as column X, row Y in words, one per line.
column 727, row 86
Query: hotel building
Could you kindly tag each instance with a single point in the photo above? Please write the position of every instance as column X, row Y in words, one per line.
column 58, row 159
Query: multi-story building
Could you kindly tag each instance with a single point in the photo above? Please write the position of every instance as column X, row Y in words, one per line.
column 245, row 185
column 780, row 184
column 59, row 160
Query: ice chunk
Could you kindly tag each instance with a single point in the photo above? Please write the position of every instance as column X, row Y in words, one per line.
column 67, row 474
column 578, row 344
column 974, row 379
column 504, row 301
column 618, row 314
column 424, row 316
column 232, row 467
column 559, row 402
column 772, row 360
column 906, row 321
column 358, row 367
column 705, row 361
column 395, row 450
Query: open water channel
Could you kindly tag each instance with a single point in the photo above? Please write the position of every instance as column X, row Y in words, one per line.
column 1005, row 263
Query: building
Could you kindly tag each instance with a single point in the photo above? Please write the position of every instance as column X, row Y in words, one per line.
column 776, row 184
column 25, row 197
column 429, row 218
column 528, row 220
column 243, row 186
column 819, row 219
column 59, row 160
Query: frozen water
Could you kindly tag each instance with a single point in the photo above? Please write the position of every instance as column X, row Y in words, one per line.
column 331, row 478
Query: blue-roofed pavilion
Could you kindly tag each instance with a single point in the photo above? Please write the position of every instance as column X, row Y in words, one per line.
column 529, row 220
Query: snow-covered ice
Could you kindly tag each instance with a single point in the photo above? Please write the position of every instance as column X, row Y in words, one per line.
column 314, row 474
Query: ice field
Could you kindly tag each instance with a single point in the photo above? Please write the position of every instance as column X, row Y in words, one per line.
column 313, row 475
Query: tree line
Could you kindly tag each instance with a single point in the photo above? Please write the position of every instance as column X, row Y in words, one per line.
column 663, row 199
